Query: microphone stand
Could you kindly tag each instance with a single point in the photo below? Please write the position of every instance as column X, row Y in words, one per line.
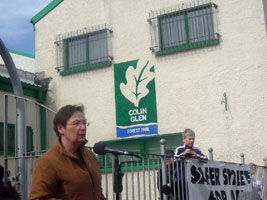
column 118, row 175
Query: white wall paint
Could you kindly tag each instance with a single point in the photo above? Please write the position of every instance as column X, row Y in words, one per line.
column 189, row 84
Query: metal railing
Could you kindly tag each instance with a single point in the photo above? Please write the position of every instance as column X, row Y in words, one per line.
column 38, row 119
column 126, row 177
column 146, row 178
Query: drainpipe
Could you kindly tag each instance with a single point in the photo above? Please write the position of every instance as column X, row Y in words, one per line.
column 20, row 121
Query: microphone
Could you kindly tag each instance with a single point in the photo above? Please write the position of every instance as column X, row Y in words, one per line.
column 101, row 149
column 167, row 191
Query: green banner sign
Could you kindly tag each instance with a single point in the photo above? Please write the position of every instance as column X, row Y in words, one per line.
column 135, row 96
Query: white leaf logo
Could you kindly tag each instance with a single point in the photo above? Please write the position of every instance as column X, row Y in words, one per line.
column 137, row 79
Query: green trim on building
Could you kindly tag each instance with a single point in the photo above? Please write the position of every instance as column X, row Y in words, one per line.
column 187, row 47
column 32, row 91
column 45, row 11
column 85, row 68
column 21, row 53
column 28, row 90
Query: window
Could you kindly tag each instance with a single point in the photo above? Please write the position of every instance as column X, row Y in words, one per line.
column 147, row 144
column 83, row 51
column 11, row 139
column 185, row 29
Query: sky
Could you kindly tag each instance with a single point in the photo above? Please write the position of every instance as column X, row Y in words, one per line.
column 16, row 31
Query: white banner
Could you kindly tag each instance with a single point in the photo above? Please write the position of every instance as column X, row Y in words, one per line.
column 217, row 180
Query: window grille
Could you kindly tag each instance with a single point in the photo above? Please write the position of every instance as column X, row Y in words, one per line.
column 84, row 49
column 184, row 27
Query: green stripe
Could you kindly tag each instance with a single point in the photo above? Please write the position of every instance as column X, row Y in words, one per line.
column 187, row 47
column 85, row 67
column 31, row 91
column 21, row 53
column 45, row 11
column 28, row 90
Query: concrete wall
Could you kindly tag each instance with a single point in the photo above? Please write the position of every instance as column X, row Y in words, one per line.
column 189, row 85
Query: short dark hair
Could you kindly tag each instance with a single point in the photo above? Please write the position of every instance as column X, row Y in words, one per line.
column 8, row 192
column 64, row 114
column 189, row 131
column 169, row 152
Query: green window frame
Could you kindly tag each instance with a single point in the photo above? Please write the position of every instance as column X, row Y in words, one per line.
column 11, row 139
column 187, row 29
column 86, row 52
column 144, row 145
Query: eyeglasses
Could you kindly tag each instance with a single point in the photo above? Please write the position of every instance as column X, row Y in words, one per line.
column 79, row 123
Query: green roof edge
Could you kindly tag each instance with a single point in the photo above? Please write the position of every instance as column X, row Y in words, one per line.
column 21, row 53
column 45, row 11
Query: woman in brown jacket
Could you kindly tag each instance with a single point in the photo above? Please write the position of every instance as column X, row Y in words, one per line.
column 68, row 170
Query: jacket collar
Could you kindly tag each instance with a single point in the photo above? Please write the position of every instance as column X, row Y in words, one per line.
column 188, row 147
column 65, row 152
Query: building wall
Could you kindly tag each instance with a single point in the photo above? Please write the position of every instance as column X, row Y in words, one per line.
column 189, row 85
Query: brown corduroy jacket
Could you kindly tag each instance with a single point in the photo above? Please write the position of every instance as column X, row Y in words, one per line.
column 59, row 174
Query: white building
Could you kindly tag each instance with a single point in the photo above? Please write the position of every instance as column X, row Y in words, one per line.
column 209, row 74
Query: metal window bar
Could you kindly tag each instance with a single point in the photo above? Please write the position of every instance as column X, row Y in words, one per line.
column 88, row 46
column 183, row 26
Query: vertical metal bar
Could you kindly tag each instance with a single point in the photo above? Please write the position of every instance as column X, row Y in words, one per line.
column 242, row 158
column 20, row 134
column 169, row 172
column 24, row 160
column 185, row 183
column 159, row 177
column 16, row 83
column 126, row 177
column 138, row 180
column 144, row 178
column 113, row 169
column 154, row 176
column 35, row 150
column 47, row 129
column 163, row 163
column 149, row 181
column 210, row 153
column 5, row 139
column 106, row 174
column 173, row 178
column 182, row 177
column 178, row 172
column 16, row 147
column 132, row 173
